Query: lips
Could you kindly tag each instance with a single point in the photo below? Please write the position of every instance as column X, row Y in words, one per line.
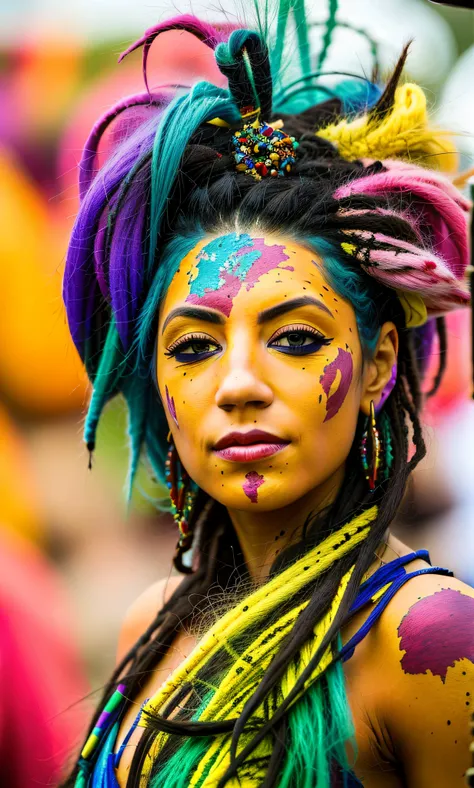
column 249, row 446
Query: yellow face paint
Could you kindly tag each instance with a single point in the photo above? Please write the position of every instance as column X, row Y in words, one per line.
column 252, row 338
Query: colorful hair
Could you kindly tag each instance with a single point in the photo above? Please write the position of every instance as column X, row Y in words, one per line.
column 392, row 237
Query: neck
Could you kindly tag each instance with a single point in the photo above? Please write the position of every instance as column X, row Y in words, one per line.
column 264, row 535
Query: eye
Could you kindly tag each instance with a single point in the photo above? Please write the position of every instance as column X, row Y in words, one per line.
column 298, row 340
column 193, row 347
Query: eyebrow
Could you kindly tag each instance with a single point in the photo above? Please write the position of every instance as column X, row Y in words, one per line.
column 288, row 306
column 210, row 316
column 196, row 312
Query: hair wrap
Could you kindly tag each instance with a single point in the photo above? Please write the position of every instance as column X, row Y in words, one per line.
column 433, row 269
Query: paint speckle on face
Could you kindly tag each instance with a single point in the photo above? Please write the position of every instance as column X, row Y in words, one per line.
column 437, row 632
column 227, row 263
column 171, row 406
column 343, row 364
column 250, row 487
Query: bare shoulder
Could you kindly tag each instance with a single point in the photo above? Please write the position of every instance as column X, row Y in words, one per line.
column 426, row 639
column 143, row 610
column 431, row 608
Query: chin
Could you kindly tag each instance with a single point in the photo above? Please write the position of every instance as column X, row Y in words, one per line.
column 260, row 496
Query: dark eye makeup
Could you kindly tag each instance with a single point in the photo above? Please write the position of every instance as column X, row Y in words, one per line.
column 293, row 340
column 192, row 347
column 298, row 340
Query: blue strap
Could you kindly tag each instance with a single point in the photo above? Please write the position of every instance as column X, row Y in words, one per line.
column 118, row 755
column 385, row 574
column 348, row 649
column 103, row 772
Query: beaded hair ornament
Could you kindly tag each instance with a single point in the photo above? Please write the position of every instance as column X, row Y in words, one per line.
column 261, row 150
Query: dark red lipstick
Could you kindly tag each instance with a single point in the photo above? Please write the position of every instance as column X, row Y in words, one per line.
column 249, row 446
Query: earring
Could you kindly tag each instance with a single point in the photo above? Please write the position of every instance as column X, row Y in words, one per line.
column 372, row 469
column 183, row 494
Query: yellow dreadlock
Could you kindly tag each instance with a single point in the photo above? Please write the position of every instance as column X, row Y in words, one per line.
column 250, row 664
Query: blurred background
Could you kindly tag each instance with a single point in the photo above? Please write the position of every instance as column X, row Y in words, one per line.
column 64, row 534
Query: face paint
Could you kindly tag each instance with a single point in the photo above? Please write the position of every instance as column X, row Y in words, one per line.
column 250, row 487
column 435, row 633
column 387, row 390
column 286, row 382
column 226, row 263
column 343, row 363
column 171, row 406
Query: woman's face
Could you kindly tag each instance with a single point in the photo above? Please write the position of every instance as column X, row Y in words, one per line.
column 252, row 340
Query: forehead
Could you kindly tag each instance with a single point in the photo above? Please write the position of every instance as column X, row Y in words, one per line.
column 239, row 271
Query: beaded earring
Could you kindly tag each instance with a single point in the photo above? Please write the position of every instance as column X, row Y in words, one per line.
column 183, row 492
column 371, row 468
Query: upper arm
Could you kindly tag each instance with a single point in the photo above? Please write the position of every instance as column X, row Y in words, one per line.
column 142, row 611
column 429, row 649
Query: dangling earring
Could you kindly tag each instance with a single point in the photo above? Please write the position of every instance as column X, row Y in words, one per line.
column 183, row 494
column 372, row 469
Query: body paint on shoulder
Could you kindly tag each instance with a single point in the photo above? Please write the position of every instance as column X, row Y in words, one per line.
column 250, row 487
column 171, row 406
column 226, row 263
column 343, row 364
column 437, row 632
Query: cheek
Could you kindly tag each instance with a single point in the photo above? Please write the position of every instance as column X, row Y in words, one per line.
column 171, row 406
column 336, row 381
column 178, row 400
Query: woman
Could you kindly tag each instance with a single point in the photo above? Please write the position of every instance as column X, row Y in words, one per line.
column 262, row 274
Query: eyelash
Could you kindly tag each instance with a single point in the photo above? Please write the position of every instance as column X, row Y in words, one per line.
column 173, row 350
column 302, row 350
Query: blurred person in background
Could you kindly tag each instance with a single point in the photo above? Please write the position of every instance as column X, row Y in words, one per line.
column 301, row 624
column 42, row 679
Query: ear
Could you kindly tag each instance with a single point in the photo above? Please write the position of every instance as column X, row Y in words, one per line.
column 377, row 370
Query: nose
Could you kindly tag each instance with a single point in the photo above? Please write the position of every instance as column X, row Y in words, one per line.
column 241, row 385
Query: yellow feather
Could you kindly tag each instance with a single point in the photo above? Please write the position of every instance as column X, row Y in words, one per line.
column 403, row 133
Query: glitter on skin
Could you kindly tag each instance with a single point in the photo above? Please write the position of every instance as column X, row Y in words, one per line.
column 235, row 260
column 250, row 487
column 434, row 635
column 343, row 363
column 171, row 406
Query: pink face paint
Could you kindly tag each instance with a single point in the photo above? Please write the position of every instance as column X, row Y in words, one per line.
column 437, row 632
column 343, row 363
column 229, row 262
column 250, row 487
column 171, row 406
column 387, row 390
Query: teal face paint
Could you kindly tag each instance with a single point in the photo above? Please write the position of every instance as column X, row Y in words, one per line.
column 227, row 263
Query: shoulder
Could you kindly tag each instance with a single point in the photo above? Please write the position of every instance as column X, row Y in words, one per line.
column 143, row 610
column 426, row 639
column 429, row 625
